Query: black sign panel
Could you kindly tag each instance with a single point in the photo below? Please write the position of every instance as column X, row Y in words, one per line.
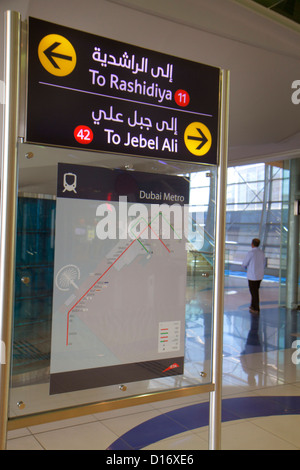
column 82, row 182
column 93, row 93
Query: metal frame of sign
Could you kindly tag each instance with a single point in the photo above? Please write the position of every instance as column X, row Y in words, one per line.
column 9, row 191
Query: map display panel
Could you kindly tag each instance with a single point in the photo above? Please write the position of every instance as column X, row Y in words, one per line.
column 119, row 277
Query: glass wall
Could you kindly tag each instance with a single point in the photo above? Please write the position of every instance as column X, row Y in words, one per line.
column 58, row 232
column 33, row 285
column 256, row 208
column 284, row 231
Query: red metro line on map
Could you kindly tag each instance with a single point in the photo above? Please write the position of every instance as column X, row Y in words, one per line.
column 84, row 296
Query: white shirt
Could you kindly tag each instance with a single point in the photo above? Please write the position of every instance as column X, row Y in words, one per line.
column 255, row 263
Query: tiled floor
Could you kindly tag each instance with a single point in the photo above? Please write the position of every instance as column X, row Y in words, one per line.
column 261, row 394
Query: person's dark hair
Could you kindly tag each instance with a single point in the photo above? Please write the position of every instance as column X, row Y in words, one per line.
column 256, row 242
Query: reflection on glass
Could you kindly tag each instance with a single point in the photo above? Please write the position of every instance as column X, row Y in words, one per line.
column 35, row 277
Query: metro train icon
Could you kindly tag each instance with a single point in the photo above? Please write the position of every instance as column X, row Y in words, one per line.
column 70, row 182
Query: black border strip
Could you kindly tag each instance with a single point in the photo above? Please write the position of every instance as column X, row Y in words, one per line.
column 64, row 382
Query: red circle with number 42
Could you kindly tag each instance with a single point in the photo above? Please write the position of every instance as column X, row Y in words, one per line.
column 83, row 134
column 182, row 98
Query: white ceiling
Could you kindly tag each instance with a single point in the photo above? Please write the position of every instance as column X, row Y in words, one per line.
column 261, row 52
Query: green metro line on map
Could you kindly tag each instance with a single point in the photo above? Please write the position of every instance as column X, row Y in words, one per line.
column 148, row 225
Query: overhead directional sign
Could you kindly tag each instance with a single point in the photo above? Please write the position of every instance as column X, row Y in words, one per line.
column 86, row 91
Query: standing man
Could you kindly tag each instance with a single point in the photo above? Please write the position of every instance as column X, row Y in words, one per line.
column 254, row 263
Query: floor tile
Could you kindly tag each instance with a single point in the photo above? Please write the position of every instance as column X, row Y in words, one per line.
column 158, row 428
column 24, row 443
column 89, row 436
column 185, row 441
column 284, row 427
column 18, row 433
column 121, row 424
column 64, row 423
column 247, row 436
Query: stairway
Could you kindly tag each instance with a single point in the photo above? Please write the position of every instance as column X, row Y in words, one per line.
column 198, row 265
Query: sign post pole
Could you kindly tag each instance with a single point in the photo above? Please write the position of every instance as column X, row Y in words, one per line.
column 8, row 207
column 216, row 395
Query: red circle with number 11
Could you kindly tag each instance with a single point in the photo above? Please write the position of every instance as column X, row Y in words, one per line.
column 182, row 98
column 83, row 134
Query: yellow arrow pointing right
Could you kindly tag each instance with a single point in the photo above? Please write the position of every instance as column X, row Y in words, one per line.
column 197, row 138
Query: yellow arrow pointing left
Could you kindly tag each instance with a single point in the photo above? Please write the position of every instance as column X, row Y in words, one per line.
column 57, row 55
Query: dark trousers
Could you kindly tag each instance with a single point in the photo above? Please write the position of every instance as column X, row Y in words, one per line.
column 254, row 291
